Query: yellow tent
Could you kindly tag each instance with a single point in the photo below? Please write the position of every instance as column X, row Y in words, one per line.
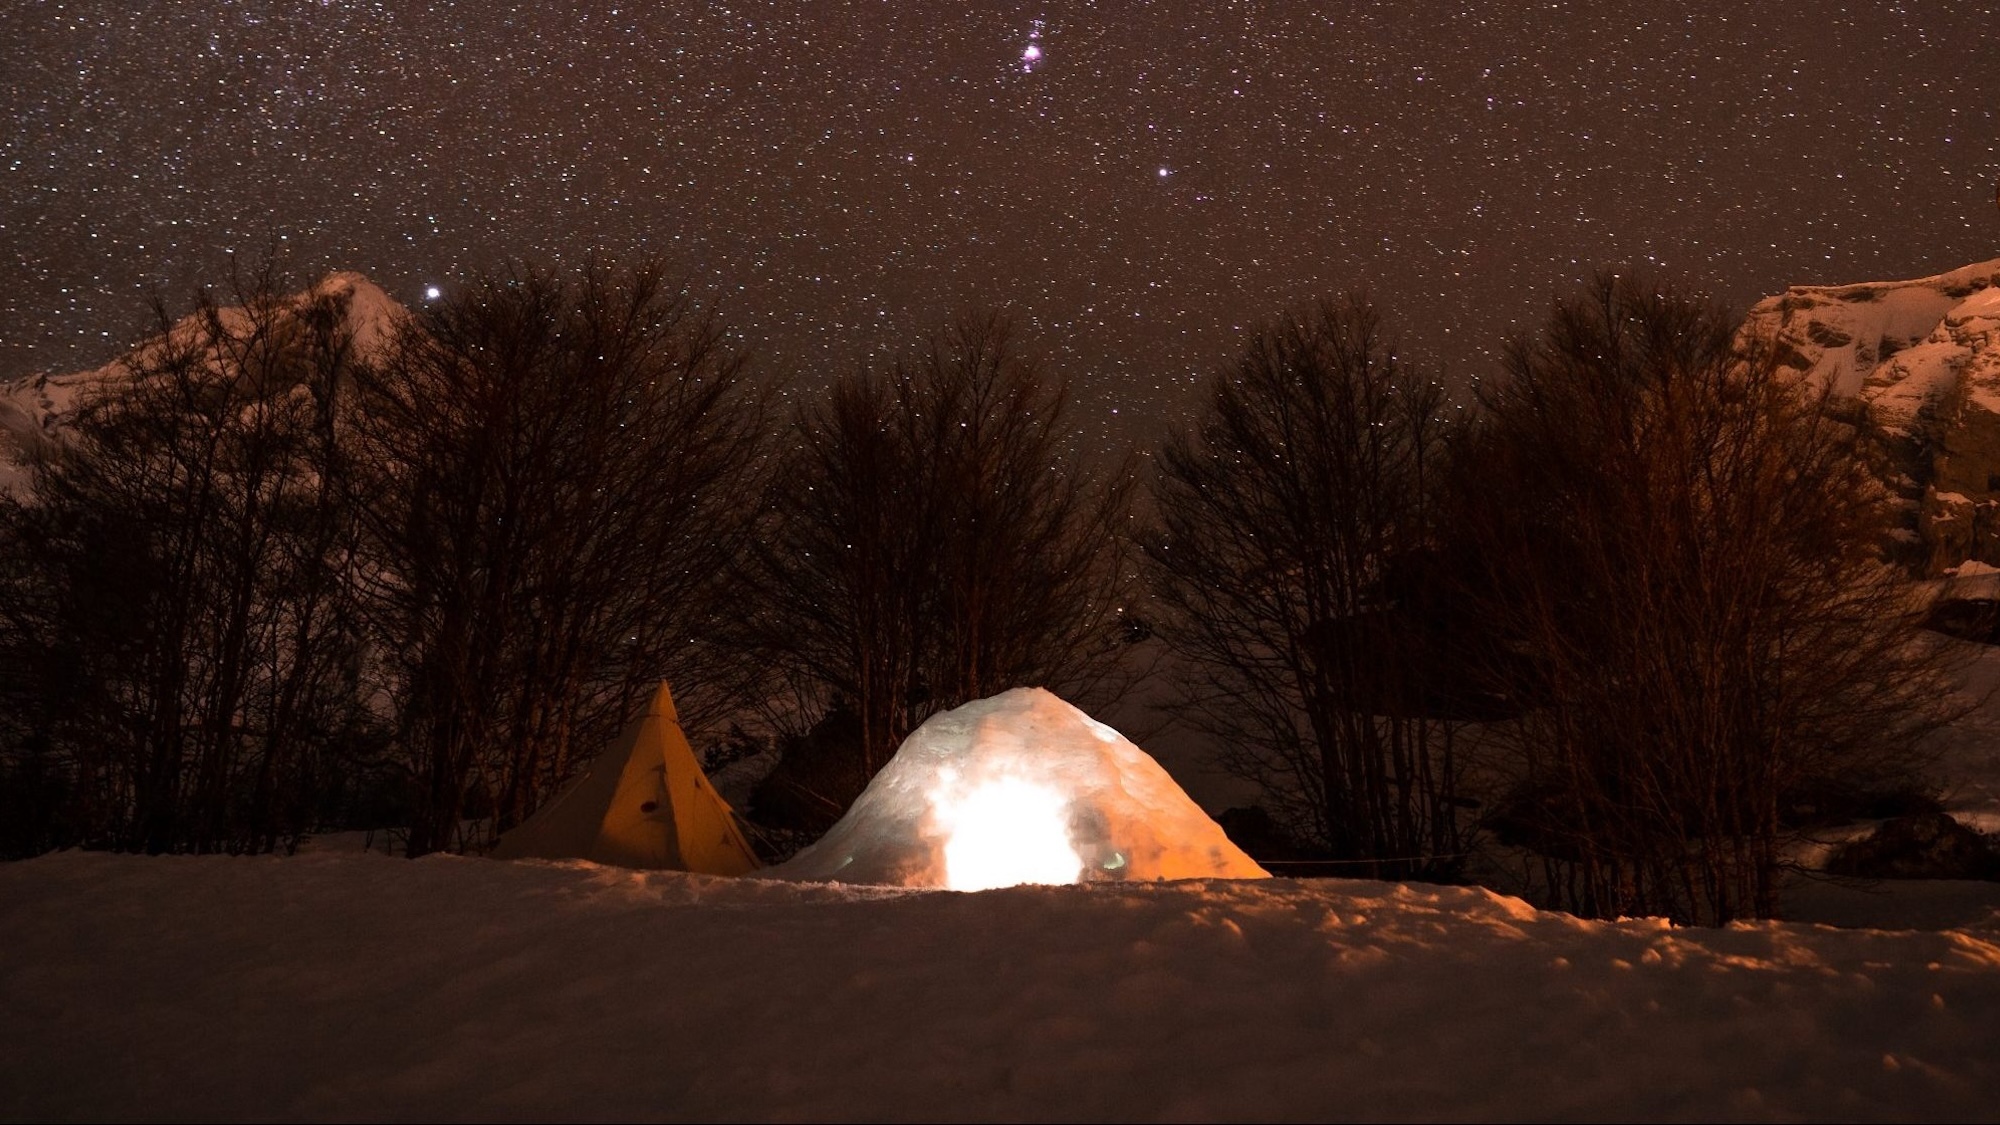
column 643, row 803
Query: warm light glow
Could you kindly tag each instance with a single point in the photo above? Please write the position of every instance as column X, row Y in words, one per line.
column 1004, row 832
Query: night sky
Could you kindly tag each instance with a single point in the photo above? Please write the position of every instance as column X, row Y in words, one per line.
column 1138, row 182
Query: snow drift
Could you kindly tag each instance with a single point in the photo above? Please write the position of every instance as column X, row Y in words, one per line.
column 348, row 986
column 1019, row 788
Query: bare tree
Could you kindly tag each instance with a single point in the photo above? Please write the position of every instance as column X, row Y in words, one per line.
column 177, row 590
column 1683, row 543
column 935, row 538
column 1296, row 520
column 551, row 472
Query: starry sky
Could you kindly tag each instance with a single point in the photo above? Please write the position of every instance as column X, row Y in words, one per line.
column 1138, row 183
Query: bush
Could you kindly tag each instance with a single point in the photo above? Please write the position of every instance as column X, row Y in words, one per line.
column 1682, row 543
column 548, row 471
column 175, row 599
column 931, row 538
column 1295, row 559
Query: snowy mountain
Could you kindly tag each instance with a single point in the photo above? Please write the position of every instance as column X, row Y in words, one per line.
column 33, row 409
column 1924, row 356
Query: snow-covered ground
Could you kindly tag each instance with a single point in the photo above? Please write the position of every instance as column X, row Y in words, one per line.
column 349, row 985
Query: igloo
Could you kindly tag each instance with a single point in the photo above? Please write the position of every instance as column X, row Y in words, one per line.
column 1019, row 788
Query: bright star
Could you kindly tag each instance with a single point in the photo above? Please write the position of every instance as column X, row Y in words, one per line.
column 432, row 293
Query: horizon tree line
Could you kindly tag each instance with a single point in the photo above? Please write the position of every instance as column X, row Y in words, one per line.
column 1624, row 612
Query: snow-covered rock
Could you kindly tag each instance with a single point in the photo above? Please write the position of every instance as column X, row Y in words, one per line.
column 1852, row 335
column 1924, row 356
column 1019, row 788
column 34, row 409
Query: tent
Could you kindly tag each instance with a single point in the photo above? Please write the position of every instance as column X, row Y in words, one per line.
column 643, row 803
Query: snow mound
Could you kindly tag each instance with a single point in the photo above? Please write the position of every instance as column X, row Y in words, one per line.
column 1019, row 788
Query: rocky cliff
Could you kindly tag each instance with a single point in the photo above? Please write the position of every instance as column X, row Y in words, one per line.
column 1922, row 360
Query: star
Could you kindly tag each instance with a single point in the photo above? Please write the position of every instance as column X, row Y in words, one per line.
column 1032, row 53
column 834, row 175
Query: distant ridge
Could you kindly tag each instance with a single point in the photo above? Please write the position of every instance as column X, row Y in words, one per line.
column 33, row 409
column 1922, row 357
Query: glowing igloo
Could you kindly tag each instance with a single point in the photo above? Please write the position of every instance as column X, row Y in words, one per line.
column 1019, row 788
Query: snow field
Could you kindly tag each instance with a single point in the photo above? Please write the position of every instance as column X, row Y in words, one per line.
column 350, row 985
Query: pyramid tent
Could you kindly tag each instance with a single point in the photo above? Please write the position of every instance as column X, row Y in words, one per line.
column 643, row 803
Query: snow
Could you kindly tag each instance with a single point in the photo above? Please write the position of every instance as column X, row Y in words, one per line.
column 1019, row 788
column 1902, row 346
column 350, row 985
column 33, row 410
column 1960, row 353
column 372, row 314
